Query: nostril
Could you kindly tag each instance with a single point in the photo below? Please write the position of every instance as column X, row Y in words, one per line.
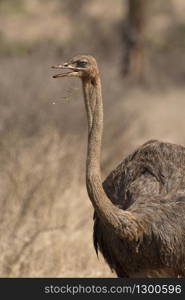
column 66, row 64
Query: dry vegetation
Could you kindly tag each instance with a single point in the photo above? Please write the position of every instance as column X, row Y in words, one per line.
column 45, row 214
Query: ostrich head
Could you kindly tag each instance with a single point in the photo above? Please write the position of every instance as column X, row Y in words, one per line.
column 82, row 66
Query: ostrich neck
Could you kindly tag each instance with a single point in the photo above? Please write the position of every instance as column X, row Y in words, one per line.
column 94, row 109
column 106, row 210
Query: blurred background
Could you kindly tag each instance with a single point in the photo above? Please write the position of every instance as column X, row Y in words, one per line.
column 45, row 214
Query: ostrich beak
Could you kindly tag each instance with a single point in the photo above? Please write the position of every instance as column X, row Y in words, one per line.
column 73, row 73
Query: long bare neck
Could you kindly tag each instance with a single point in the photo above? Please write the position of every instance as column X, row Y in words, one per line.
column 94, row 109
column 109, row 214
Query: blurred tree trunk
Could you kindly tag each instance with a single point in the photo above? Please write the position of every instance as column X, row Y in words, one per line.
column 134, row 56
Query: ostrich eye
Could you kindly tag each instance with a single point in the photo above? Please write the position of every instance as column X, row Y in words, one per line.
column 81, row 64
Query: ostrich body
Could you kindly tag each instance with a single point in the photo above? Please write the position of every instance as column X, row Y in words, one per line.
column 139, row 219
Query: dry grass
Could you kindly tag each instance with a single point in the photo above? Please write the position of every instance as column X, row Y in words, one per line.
column 45, row 214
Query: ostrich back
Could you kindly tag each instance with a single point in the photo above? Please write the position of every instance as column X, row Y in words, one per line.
column 151, row 183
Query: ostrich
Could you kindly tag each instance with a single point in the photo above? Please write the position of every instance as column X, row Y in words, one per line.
column 139, row 210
